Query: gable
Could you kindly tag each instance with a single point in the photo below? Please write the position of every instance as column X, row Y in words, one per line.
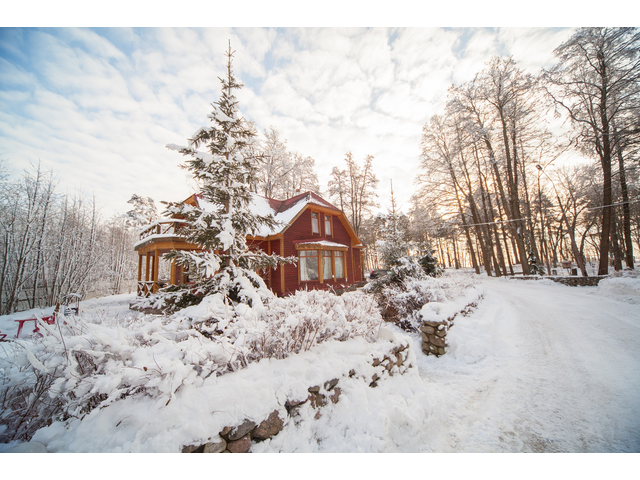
column 286, row 212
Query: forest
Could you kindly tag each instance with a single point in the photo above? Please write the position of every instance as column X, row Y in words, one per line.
column 535, row 171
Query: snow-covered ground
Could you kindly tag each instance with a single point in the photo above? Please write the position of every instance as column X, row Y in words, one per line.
column 541, row 367
column 536, row 367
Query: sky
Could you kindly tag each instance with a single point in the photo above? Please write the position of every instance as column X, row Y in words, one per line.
column 97, row 106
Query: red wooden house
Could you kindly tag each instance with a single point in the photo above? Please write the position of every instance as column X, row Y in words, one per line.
column 310, row 228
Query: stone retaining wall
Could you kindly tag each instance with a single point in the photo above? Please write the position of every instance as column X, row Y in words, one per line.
column 572, row 281
column 434, row 334
column 238, row 439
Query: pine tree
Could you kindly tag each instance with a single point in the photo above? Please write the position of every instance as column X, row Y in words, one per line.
column 224, row 174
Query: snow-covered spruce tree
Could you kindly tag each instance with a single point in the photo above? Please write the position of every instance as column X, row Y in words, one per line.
column 535, row 267
column 428, row 261
column 395, row 249
column 224, row 174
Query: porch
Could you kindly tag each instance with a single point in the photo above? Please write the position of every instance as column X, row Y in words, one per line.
column 155, row 240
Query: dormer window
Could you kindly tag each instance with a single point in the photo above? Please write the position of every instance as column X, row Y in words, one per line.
column 315, row 222
column 327, row 225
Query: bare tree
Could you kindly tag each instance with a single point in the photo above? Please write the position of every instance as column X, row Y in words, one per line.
column 355, row 189
column 597, row 84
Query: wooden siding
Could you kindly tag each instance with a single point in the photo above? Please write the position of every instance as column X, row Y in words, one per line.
column 300, row 231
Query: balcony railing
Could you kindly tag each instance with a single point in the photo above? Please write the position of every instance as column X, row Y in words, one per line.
column 147, row 288
column 160, row 227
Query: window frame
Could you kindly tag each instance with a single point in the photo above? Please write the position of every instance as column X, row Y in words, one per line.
column 331, row 266
column 315, row 222
column 307, row 253
column 332, row 253
column 328, row 219
column 342, row 257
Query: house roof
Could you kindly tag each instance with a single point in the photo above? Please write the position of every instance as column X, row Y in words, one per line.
column 283, row 211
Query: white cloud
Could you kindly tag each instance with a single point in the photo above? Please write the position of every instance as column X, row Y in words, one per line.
column 98, row 107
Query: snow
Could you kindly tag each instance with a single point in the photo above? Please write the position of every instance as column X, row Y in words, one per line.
column 155, row 236
column 260, row 206
column 324, row 243
column 536, row 367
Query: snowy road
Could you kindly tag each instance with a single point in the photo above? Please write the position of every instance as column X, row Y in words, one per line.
column 539, row 367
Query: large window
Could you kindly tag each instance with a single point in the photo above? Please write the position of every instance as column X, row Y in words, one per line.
column 327, row 225
column 326, row 265
column 331, row 261
column 315, row 222
column 308, row 265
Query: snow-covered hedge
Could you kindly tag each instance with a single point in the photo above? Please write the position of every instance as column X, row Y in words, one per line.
column 79, row 366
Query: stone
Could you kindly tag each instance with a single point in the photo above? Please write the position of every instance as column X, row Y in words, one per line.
column 192, row 448
column 336, row 395
column 314, row 389
column 241, row 445
column 437, row 341
column 441, row 350
column 215, row 447
column 425, row 337
column 441, row 333
column 318, row 400
column 330, row 384
column 241, row 430
column 427, row 329
column 225, row 432
column 289, row 404
column 432, row 324
column 269, row 427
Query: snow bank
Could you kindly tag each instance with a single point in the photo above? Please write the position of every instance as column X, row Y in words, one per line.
column 623, row 288
column 79, row 367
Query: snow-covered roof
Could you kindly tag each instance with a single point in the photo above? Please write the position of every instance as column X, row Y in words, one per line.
column 324, row 243
column 154, row 237
column 283, row 211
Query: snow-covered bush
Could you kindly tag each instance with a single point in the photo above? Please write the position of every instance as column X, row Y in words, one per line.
column 76, row 367
column 401, row 303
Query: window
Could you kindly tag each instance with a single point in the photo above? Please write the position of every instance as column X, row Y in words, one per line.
column 327, row 225
column 308, row 265
column 339, row 257
column 315, row 222
column 326, row 265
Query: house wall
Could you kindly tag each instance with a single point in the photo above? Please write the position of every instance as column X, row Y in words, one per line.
column 300, row 230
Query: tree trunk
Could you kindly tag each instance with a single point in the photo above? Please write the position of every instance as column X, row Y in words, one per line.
column 626, row 210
